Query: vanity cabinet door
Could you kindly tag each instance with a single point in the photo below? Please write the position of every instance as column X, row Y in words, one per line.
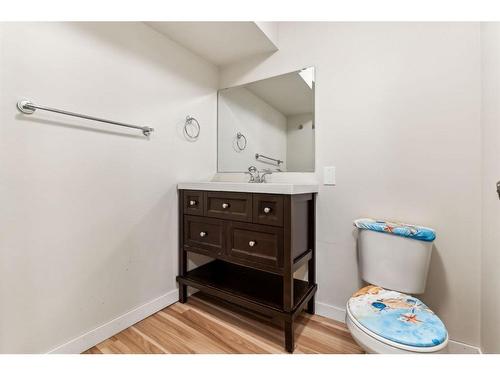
column 204, row 235
column 231, row 206
column 256, row 244
column 193, row 202
column 268, row 209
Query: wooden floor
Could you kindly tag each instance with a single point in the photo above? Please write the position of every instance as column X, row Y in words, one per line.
column 203, row 325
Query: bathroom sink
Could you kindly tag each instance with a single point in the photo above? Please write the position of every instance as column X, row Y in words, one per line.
column 268, row 187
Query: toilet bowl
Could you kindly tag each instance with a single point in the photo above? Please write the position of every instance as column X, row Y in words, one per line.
column 394, row 260
column 388, row 322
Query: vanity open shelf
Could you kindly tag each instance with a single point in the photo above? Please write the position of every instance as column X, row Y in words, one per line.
column 262, row 291
column 257, row 241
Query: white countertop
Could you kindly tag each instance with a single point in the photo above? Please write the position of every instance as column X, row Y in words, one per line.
column 246, row 187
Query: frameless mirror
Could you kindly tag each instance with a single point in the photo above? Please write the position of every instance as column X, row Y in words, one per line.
column 268, row 124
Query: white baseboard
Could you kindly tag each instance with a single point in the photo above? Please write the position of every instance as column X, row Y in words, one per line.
column 338, row 314
column 329, row 311
column 457, row 347
column 99, row 334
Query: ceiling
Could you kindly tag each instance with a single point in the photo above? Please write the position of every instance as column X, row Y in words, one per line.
column 288, row 93
column 222, row 43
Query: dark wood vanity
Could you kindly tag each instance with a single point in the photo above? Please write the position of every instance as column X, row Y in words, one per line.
column 257, row 242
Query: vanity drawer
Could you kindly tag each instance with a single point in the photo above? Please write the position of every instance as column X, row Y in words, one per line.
column 232, row 206
column 256, row 244
column 268, row 209
column 193, row 202
column 205, row 234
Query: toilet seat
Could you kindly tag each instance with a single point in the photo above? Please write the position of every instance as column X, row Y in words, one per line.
column 396, row 319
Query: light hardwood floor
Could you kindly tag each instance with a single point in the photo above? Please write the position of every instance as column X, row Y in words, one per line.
column 205, row 326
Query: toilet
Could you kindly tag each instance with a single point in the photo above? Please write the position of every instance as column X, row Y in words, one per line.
column 384, row 317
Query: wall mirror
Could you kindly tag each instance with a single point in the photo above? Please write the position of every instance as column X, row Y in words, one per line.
column 268, row 124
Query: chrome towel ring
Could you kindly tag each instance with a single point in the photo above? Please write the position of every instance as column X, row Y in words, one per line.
column 194, row 125
column 239, row 137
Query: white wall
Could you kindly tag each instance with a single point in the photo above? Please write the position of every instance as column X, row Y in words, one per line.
column 300, row 143
column 490, row 118
column 398, row 114
column 264, row 127
column 88, row 224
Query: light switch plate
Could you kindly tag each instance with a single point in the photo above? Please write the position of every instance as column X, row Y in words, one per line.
column 329, row 175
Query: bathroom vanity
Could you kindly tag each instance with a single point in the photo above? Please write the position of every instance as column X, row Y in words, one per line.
column 258, row 235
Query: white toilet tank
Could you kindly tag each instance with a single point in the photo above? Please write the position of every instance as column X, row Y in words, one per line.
column 394, row 262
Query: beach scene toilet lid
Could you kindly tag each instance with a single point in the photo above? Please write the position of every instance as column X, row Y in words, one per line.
column 397, row 317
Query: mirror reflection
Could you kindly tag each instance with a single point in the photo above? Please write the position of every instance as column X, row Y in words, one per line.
column 268, row 124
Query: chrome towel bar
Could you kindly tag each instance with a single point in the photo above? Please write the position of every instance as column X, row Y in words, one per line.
column 260, row 156
column 27, row 107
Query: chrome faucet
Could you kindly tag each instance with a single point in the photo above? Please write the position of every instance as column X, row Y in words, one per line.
column 264, row 173
column 256, row 176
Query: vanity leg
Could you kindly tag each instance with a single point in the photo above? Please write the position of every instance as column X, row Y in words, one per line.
column 289, row 337
column 312, row 280
column 182, row 272
column 311, row 265
column 183, row 256
column 310, row 306
column 182, row 293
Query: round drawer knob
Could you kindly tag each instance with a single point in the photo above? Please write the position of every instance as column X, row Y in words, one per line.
column 267, row 210
column 225, row 205
column 203, row 234
column 192, row 203
column 252, row 243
